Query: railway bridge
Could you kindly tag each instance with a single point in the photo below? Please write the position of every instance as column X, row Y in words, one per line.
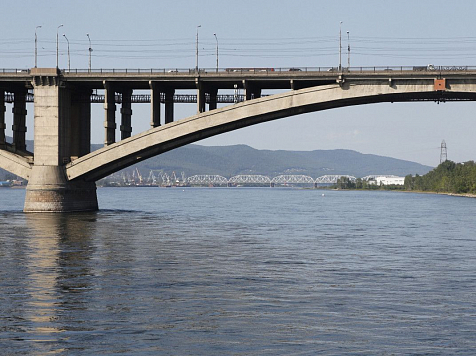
column 62, row 171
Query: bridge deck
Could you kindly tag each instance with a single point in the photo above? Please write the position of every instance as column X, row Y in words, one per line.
column 263, row 78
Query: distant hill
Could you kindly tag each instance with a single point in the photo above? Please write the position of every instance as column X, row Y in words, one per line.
column 241, row 159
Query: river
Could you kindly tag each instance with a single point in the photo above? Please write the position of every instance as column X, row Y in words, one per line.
column 240, row 271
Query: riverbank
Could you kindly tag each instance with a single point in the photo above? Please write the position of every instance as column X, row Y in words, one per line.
column 464, row 195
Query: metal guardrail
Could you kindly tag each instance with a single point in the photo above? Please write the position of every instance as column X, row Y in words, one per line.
column 252, row 70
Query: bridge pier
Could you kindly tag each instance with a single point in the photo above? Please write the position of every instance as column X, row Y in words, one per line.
column 48, row 190
column 62, row 131
column 110, row 114
column 251, row 91
column 126, row 114
column 19, row 120
column 80, row 123
column 200, row 96
column 212, row 105
column 154, row 105
column 169, row 105
column 2, row 119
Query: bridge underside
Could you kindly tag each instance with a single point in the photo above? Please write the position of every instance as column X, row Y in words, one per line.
column 117, row 156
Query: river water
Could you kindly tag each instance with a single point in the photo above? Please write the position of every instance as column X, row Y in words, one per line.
column 238, row 271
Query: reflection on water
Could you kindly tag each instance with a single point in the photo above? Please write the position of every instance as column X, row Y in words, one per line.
column 243, row 272
column 56, row 262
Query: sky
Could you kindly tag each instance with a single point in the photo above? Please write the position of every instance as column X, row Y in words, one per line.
column 272, row 34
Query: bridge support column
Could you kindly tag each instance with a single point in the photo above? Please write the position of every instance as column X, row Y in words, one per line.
column 251, row 92
column 169, row 105
column 49, row 189
column 126, row 114
column 200, row 97
column 212, row 105
column 2, row 119
column 154, row 105
column 19, row 120
column 80, row 123
column 110, row 114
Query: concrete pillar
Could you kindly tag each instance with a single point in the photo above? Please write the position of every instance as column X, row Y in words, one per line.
column 212, row 105
column 251, row 91
column 52, row 107
column 19, row 120
column 126, row 114
column 154, row 105
column 169, row 105
column 80, row 123
column 2, row 119
column 200, row 96
column 110, row 114
column 248, row 89
column 56, row 121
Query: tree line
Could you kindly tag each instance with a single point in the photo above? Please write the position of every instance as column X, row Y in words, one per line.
column 448, row 177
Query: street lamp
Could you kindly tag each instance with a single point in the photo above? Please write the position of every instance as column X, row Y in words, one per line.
column 340, row 46
column 57, row 45
column 217, row 49
column 348, row 50
column 90, row 50
column 69, row 62
column 36, row 46
column 196, row 66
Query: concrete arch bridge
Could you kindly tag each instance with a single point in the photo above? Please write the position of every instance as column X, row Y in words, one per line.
column 62, row 172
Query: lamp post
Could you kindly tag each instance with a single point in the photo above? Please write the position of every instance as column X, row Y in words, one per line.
column 57, row 50
column 217, row 48
column 196, row 66
column 348, row 50
column 90, row 50
column 69, row 59
column 36, row 46
column 340, row 46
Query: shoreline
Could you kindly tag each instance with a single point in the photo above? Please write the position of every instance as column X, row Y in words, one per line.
column 463, row 195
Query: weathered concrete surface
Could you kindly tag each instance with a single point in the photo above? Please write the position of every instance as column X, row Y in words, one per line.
column 49, row 191
column 110, row 159
column 15, row 164
column 60, row 133
column 48, row 147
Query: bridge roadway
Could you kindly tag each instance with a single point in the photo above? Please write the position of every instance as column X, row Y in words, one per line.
column 63, row 171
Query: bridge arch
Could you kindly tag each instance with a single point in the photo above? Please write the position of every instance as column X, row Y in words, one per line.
column 122, row 154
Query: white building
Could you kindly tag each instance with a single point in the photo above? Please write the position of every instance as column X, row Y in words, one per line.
column 388, row 180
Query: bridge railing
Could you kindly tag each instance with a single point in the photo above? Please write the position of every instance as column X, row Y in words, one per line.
column 272, row 70
column 253, row 70
column 14, row 71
